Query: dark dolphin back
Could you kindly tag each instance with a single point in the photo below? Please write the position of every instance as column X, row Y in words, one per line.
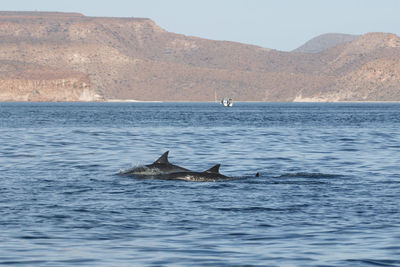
column 163, row 164
column 163, row 159
column 214, row 169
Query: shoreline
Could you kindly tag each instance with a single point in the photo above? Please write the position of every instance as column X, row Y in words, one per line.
column 128, row 101
column 238, row 101
column 158, row 101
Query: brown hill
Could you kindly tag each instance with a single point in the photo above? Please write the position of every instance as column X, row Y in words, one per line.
column 366, row 69
column 325, row 41
column 46, row 56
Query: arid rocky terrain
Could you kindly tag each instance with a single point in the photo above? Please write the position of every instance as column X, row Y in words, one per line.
column 50, row 56
column 325, row 41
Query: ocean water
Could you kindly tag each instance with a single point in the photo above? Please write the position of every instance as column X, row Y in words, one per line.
column 328, row 192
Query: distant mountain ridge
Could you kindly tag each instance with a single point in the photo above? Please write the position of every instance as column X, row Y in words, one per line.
column 325, row 41
column 52, row 56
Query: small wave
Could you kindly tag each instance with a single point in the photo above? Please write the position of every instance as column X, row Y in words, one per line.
column 265, row 225
column 77, row 191
column 77, row 261
column 313, row 175
column 90, row 166
column 39, row 236
column 375, row 262
column 24, row 156
column 55, row 216
column 79, row 132
column 250, row 209
column 349, row 149
column 347, row 139
column 84, row 210
column 24, row 262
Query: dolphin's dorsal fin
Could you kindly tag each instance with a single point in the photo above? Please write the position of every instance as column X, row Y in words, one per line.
column 163, row 159
column 214, row 169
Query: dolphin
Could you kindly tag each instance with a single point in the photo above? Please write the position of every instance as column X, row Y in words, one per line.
column 160, row 166
column 210, row 175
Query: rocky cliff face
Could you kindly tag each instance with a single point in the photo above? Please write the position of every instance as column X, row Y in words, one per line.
column 27, row 82
column 48, row 56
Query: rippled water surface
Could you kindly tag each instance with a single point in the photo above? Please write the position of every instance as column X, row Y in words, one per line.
column 328, row 192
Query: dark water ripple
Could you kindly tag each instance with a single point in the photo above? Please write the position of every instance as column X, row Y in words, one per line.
column 327, row 194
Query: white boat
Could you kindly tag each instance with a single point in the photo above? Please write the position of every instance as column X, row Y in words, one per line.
column 227, row 102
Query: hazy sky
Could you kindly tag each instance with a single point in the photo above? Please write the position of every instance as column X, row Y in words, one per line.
column 278, row 24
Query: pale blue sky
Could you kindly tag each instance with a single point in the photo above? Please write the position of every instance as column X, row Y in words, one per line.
column 278, row 24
